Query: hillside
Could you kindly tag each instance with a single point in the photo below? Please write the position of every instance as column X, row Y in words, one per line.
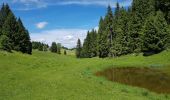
column 48, row 76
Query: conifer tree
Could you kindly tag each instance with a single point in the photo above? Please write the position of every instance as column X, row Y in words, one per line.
column 141, row 9
column 155, row 34
column 93, row 43
column 90, row 45
column 5, row 43
column 65, row 52
column 53, row 47
column 4, row 11
column 10, row 29
column 164, row 6
column 107, row 34
column 100, row 36
column 59, row 48
column 13, row 30
column 85, row 52
column 121, row 43
column 23, row 39
column 78, row 49
column 140, row 28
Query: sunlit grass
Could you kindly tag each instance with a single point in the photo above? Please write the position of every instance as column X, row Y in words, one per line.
column 49, row 76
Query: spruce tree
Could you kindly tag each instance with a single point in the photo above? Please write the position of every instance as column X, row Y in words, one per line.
column 4, row 12
column 100, row 36
column 164, row 6
column 10, row 29
column 5, row 43
column 90, row 45
column 93, row 43
column 120, row 42
column 78, row 49
column 14, row 31
column 59, row 48
column 53, row 47
column 141, row 9
column 107, row 34
column 22, row 39
column 65, row 52
column 155, row 34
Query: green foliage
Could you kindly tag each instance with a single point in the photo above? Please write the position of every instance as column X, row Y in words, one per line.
column 122, row 33
column 100, row 37
column 4, row 11
column 40, row 46
column 164, row 6
column 155, row 27
column 10, row 29
column 65, row 52
column 14, row 30
column 89, row 49
column 59, row 48
column 105, row 33
column 53, row 47
column 5, row 43
column 78, row 49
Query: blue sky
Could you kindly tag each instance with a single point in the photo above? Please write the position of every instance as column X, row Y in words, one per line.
column 62, row 21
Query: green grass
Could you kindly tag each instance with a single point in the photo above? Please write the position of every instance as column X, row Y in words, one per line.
column 48, row 76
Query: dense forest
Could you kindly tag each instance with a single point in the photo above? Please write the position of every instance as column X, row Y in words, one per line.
column 13, row 34
column 143, row 27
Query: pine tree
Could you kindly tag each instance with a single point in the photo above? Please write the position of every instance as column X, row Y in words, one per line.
column 14, row 31
column 100, row 36
column 4, row 12
column 78, row 49
column 59, row 48
column 10, row 29
column 155, row 34
column 5, row 43
column 116, row 14
column 40, row 46
column 164, row 6
column 53, row 47
column 22, row 39
column 93, row 43
column 120, row 43
column 107, row 34
column 90, row 45
column 141, row 9
column 65, row 52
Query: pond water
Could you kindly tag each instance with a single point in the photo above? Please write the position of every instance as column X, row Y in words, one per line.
column 152, row 79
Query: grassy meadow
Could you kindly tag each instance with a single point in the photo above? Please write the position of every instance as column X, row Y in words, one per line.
column 49, row 76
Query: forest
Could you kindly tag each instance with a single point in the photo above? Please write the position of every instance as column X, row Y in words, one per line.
column 13, row 34
column 143, row 27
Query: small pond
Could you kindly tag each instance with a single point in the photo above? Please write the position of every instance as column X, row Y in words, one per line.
column 152, row 79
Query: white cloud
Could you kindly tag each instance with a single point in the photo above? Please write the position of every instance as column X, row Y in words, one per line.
column 112, row 3
column 67, row 37
column 29, row 4
column 36, row 4
column 41, row 25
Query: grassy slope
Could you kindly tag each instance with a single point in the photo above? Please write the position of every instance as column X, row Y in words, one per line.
column 47, row 76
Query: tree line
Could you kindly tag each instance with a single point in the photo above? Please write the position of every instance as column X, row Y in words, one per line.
column 54, row 48
column 143, row 27
column 39, row 46
column 13, row 34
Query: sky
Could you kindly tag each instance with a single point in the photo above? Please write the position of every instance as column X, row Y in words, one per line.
column 61, row 21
